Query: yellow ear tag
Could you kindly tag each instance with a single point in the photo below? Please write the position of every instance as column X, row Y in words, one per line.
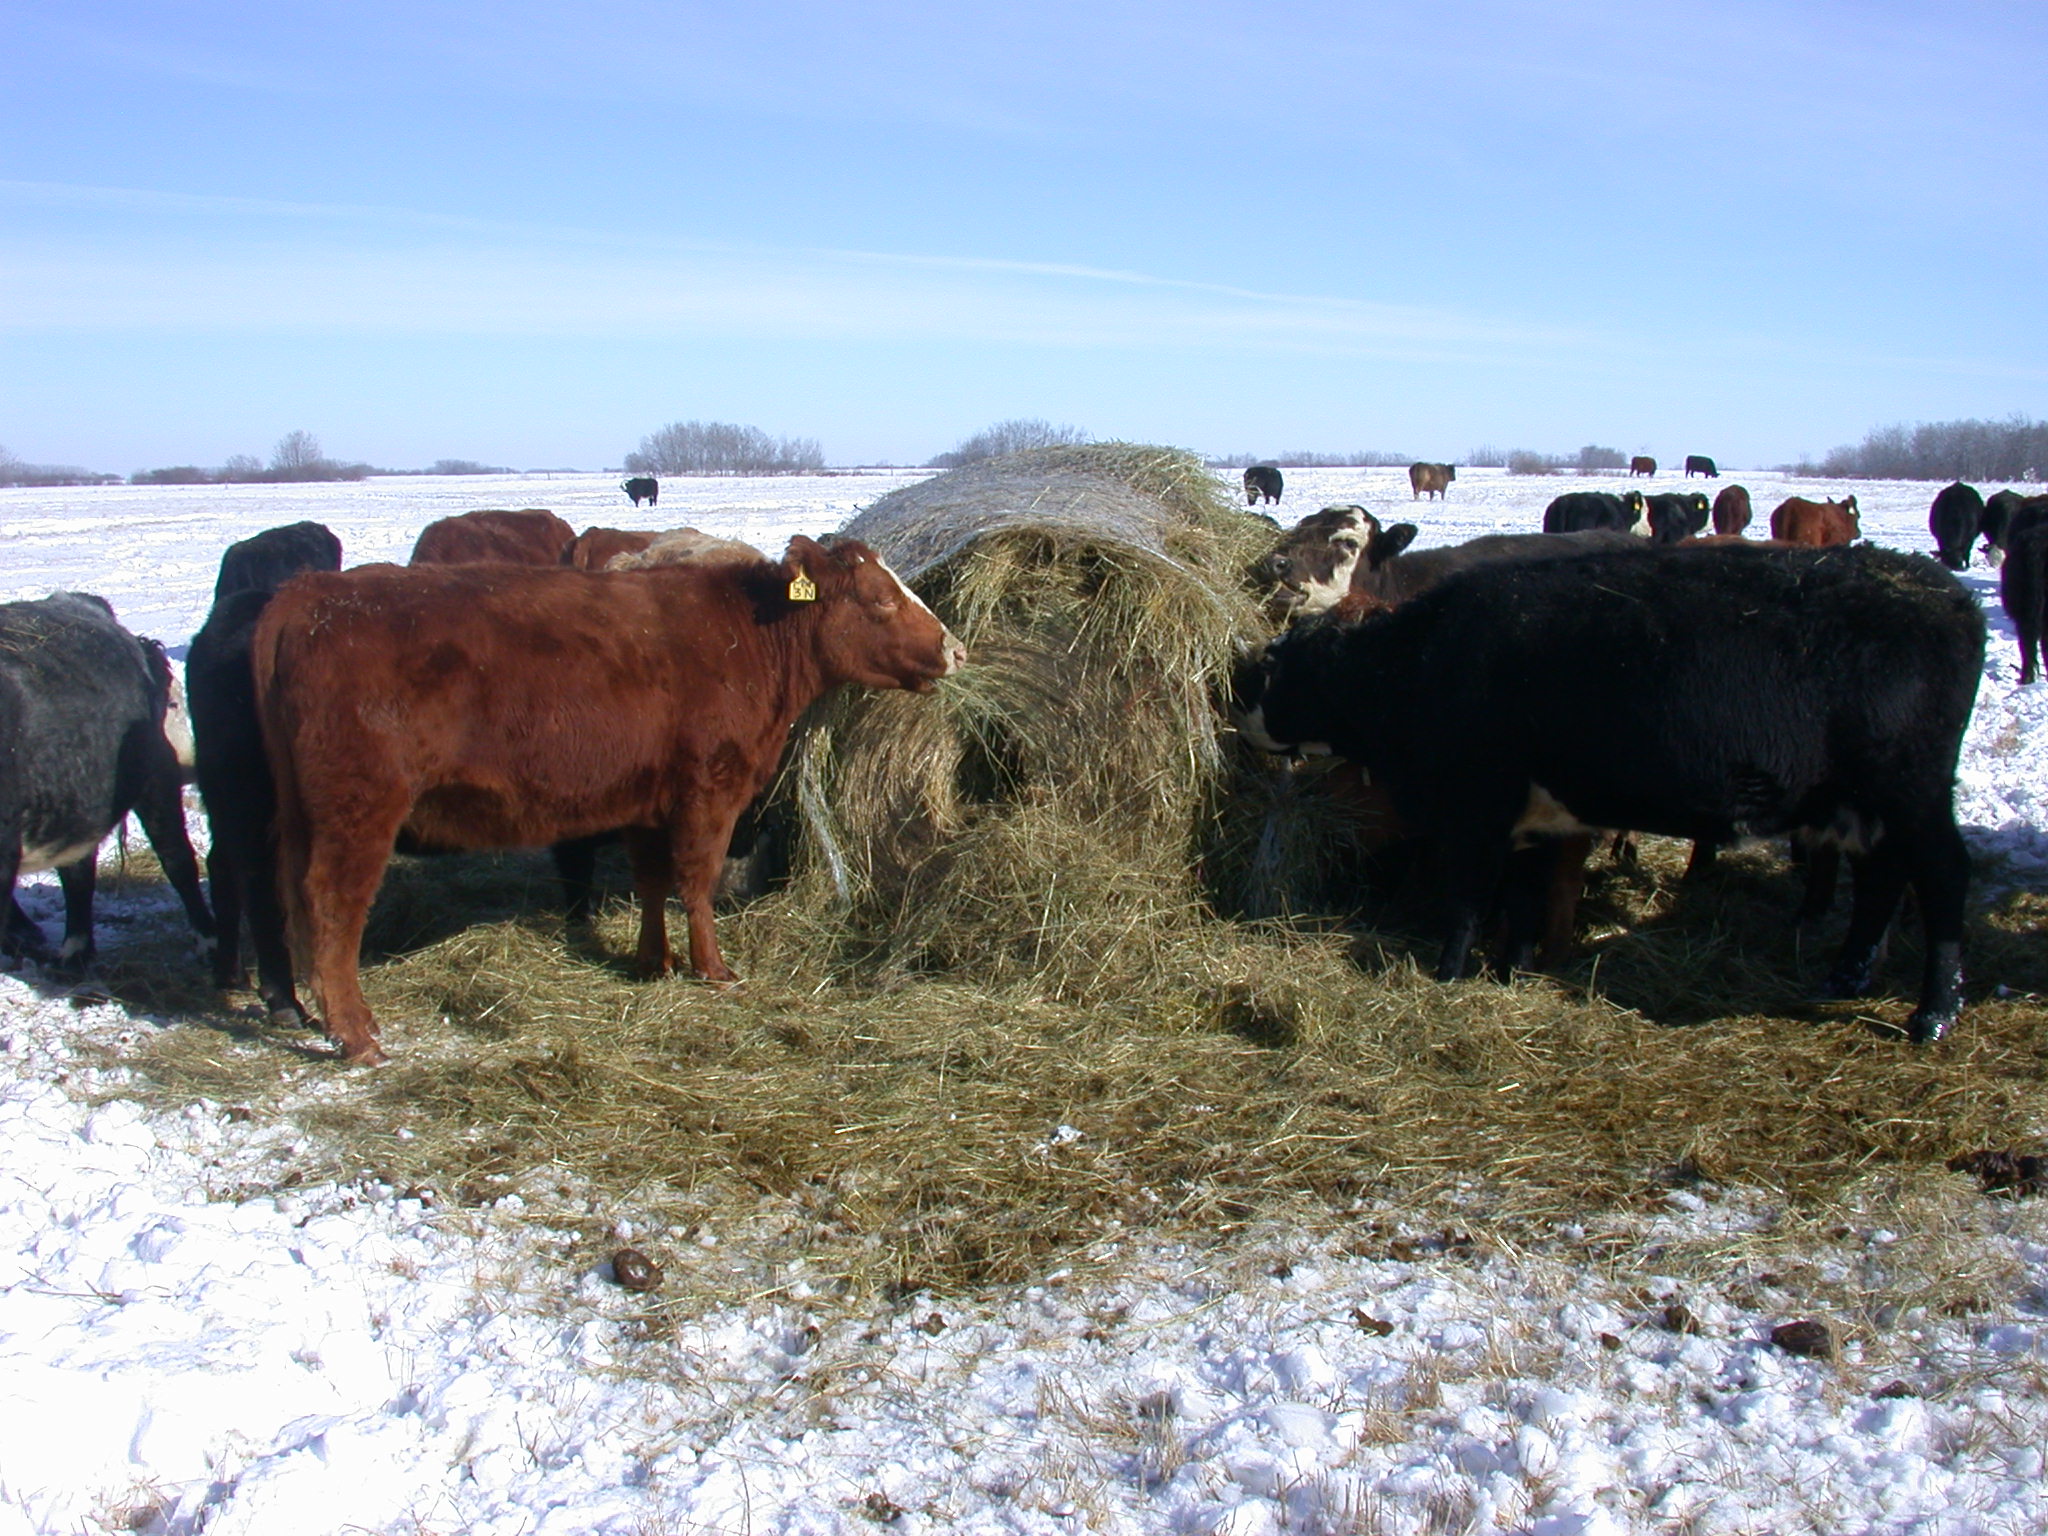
column 802, row 589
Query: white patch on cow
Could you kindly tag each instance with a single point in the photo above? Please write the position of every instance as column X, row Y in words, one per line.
column 1994, row 556
column 35, row 858
column 1546, row 816
column 956, row 651
column 1251, row 724
column 72, row 947
column 1348, row 541
column 1641, row 526
column 1849, row 831
column 178, row 726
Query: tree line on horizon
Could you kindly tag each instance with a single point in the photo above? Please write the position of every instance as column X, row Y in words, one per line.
column 2013, row 450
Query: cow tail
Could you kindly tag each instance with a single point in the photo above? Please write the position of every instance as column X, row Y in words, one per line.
column 288, row 831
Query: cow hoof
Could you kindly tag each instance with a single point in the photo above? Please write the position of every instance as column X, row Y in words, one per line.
column 1925, row 1027
column 287, row 1016
column 1844, row 985
column 367, row 1054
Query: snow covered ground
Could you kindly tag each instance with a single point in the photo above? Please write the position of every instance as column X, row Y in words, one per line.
column 189, row 1344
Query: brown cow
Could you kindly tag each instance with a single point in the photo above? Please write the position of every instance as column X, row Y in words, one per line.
column 1731, row 510
column 1433, row 479
column 533, row 537
column 489, row 706
column 595, row 548
column 1642, row 464
column 1799, row 521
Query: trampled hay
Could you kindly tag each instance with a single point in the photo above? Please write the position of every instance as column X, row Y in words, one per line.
column 1059, row 961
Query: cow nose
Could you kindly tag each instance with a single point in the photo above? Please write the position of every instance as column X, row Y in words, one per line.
column 956, row 654
column 1274, row 568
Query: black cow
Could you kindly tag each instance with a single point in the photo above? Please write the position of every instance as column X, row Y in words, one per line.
column 2023, row 589
column 1580, row 511
column 1858, row 668
column 2005, row 514
column 1700, row 464
column 1262, row 482
column 1676, row 515
column 82, row 706
column 1955, row 519
column 234, row 776
column 642, row 488
column 263, row 562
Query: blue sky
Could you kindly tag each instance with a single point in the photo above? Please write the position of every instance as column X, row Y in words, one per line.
column 531, row 233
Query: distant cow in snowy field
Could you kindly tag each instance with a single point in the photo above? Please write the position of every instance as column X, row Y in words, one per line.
column 1799, row 521
column 1430, row 479
column 234, row 777
column 534, row 536
column 642, row 488
column 1954, row 519
column 1641, row 464
column 82, row 743
column 1700, row 464
column 1731, row 510
column 1262, row 482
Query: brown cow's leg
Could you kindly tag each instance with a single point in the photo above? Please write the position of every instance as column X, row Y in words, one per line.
column 1567, row 885
column 699, row 843
column 654, row 876
column 342, row 875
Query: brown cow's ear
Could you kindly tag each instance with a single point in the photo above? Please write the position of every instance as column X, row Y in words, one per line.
column 1389, row 542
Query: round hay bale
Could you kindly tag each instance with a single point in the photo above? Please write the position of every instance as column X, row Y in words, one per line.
column 1047, row 813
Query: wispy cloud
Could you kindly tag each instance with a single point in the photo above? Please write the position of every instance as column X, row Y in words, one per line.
column 114, row 259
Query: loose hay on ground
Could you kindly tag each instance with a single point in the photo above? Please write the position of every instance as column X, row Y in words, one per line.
column 1006, row 920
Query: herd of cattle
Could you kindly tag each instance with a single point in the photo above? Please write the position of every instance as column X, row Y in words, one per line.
column 1508, row 699
column 1263, row 483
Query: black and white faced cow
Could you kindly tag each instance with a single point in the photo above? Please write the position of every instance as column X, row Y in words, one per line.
column 82, row 743
column 1524, row 699
column 234, row 776
column 1313, row 564
column 1675, row 515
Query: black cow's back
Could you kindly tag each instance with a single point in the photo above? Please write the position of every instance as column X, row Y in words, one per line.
column 89, row 704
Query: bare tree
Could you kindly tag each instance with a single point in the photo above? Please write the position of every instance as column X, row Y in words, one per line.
column 2014, row 449
column 721, row 448
column 296, row 451
column 1012, row 436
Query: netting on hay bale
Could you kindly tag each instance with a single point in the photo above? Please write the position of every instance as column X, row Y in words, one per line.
column 1045, row 813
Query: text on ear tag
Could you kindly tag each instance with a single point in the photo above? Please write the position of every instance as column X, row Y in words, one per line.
column 802, row 589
